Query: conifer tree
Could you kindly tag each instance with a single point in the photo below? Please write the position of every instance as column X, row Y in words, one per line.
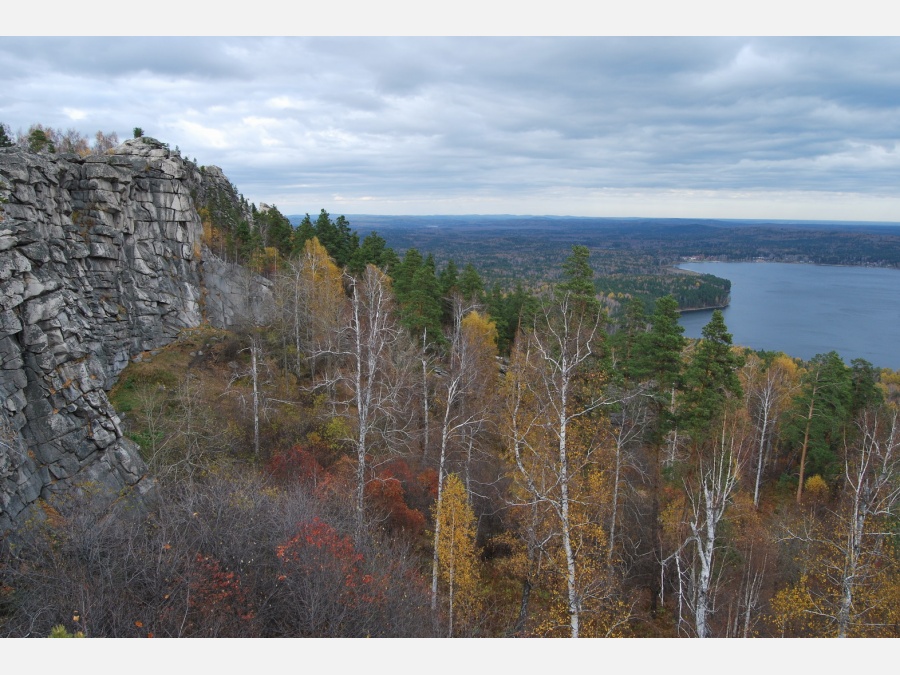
column 711, row 378
column 496, row 303
column 449, row 279
column 406, row 270
column 5, row 140
column 579, row 278
column 624, row 342
column 347, row 242
column 657, row 361
column 337, row 237
column 40, row 139
column 657, row 356
column 279, row 231
column 471, row 286
column 304, row 232
column 819, row 414
column 372, row 251
column 865, row 392
column 421, row 310
column 326, row 232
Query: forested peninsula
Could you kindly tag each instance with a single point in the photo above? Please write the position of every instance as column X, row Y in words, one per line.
column 222, row 423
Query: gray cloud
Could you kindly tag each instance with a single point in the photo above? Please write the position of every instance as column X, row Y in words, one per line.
column 542, row 125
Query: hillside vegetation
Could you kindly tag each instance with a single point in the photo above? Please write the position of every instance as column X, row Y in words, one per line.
column 402, row 452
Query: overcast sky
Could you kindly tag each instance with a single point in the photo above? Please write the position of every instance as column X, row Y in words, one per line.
column 778, row 128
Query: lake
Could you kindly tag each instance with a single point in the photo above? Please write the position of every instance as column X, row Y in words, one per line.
column 804, row 310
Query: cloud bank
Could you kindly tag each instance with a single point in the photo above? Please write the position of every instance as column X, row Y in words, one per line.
column 690, row 127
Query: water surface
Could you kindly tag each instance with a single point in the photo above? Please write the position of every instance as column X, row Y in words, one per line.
column 804, row 310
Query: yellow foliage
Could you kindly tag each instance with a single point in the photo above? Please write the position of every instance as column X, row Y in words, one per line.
column 322, row 289
column 810, row 607
column 458, row 562
column 530, row 424
column 265, row 260
column 479, row 351
column 891, row 377
column 335, row 430
column 481, row 332
column 791, row 608
column 816, row 487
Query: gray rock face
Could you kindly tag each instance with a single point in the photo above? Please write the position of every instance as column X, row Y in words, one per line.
column 233, row 294
column 100, row 259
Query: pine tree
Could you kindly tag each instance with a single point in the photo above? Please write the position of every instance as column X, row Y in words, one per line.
column 346, row 244
column 471, row 286
column 819, row 414
column 579, row 278
column 657, row 355
column 496, row 304
column 40, row 139
column 657, row 361
column 866, row 393
column 624, row 342
column 449, row 279
column 421, row 310
column 372, row 251
column 304, row 232
column 5, row 139
column 403, row 275
column 711, row 378
column 279, row 231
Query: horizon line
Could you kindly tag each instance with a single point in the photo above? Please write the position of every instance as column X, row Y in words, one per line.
column 556, row 216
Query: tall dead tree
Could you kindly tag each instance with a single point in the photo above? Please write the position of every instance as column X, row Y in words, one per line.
column 368, row 383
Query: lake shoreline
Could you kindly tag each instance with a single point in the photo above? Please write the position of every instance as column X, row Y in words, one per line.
column 688, row 261
column 804, row 309
column 703, row 309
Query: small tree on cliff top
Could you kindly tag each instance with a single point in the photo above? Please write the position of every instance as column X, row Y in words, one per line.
column 5, row 139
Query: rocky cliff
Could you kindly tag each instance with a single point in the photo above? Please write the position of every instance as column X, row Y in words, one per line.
column 101, row 259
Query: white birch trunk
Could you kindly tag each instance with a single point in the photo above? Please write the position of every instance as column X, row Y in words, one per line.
column 254, row 349
column 718, row 479
column 565, row 522
column 872, row 478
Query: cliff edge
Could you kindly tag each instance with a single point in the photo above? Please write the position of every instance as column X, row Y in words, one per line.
column 101, row 259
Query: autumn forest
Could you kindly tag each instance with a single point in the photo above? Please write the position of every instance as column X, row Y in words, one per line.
column 398, row 451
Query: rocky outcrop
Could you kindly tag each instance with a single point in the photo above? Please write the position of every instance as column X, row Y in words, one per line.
column 234, row 295
column 100, row 260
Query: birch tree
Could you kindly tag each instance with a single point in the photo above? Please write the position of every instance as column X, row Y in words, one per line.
column 310, row 294
column 768, row 391
column 472, row 347
column 850, row 574
column 872, row 474
column 627, row 429
column 709, row 412
column 255, row 352
column 543, row 407
column 368, row 383
column 709, row 495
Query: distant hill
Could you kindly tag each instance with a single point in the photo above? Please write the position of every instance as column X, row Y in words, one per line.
column 507, row 249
